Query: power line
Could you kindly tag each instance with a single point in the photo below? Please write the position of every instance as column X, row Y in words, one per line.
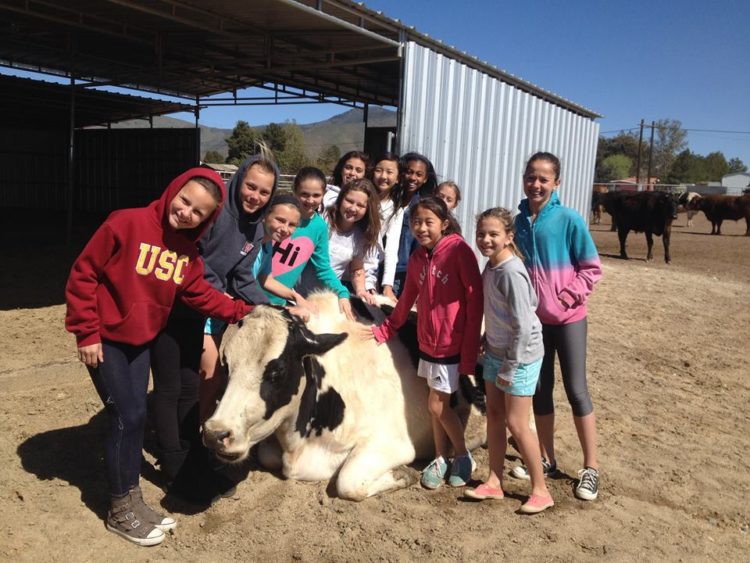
column 683, row 128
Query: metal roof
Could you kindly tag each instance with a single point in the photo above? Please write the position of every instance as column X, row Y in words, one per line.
column 327, row 50
column 35, row 103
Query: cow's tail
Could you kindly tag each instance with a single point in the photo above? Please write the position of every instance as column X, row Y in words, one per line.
column 472, row 388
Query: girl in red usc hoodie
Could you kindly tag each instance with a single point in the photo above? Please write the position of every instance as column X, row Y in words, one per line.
column 443, row 278
column 119, row 294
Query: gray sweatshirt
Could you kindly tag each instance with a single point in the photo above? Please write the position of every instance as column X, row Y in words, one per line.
column 512, row 330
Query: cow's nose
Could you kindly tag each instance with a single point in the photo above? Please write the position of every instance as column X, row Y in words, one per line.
column 217, row 438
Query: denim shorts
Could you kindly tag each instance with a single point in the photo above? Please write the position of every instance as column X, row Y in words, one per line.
column 524, row 380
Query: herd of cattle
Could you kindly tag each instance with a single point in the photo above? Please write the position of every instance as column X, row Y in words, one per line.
column 652, row 213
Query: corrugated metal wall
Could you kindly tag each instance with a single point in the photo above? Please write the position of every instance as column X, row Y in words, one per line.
column 480, row 132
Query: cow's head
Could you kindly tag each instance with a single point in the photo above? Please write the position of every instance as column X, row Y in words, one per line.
column 272, row 364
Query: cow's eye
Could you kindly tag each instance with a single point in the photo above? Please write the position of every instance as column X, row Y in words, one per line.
column 275, row 369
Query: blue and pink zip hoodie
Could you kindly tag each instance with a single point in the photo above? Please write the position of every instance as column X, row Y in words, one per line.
column 561, row 258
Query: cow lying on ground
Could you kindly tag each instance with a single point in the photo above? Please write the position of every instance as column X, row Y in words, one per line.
column 717, row 208
column 337, row 405
column 687, row 200
column 651, row 213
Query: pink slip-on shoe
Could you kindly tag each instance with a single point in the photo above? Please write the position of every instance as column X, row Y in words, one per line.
column 484, row 491
column 536, row 504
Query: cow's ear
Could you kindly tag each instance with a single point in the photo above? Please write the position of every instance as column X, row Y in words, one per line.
column 319, row 344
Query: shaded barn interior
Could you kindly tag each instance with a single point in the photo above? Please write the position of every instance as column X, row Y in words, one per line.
column 189, row 56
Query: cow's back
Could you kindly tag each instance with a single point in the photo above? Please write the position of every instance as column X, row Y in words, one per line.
column 378, row 383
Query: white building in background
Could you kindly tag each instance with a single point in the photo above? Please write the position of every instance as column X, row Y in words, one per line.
column 736, row 182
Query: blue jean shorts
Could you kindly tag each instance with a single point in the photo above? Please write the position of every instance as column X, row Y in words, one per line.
column 524, row 380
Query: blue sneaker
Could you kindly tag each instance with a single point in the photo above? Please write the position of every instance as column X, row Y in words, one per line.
column 434, row 474
column 461, row 469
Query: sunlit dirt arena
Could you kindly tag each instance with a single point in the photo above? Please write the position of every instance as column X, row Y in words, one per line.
column 668, row 372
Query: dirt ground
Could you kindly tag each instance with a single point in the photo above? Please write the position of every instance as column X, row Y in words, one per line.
column 669, row 377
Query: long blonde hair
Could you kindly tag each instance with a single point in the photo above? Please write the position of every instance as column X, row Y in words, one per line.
column 506, row 220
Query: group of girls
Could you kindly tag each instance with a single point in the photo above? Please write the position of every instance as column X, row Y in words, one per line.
column 155, row 287
column 542, row 266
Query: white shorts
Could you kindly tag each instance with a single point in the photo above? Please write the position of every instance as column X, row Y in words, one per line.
column 440, row 377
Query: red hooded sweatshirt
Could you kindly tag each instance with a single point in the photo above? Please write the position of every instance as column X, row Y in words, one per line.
column 124, row 283
column 447, row 285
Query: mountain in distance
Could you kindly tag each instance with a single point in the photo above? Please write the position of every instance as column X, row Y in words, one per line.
column 345, row 130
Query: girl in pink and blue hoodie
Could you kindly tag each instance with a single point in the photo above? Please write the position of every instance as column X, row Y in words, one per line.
column 563, row 266
column 443, row 279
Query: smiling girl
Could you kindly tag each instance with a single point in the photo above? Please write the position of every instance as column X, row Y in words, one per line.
column 354, row 227
column 385, row 177
column 119, row 295
column 563, row 265
column 512, row 357
column 352, row 166
column 443, row 279
column 305, row 253
column 418, row 179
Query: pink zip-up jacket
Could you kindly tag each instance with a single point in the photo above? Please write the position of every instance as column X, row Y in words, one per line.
column 447, row 286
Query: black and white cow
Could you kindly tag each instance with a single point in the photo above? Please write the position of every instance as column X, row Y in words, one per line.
column 337, row 405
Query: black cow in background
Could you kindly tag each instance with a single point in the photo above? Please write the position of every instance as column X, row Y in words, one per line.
column 651, row 213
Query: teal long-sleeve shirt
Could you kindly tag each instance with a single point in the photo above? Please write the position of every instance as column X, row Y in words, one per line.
column 308, row 244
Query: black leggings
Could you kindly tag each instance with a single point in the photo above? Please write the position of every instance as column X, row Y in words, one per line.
column 569, row 342
column 175, row 360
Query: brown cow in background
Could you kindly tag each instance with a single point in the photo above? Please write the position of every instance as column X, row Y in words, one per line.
column 717, row 208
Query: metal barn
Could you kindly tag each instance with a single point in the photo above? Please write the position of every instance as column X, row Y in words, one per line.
column 476, row 123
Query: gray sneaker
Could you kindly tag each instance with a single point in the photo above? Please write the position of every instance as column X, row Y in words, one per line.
column 123, row 520
column 148, row 514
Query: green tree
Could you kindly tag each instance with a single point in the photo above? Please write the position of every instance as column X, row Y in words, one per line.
column 242, row 142
column 292, row 157
column 670, row 139
column 736, row 165
column 275, row 136
column 715, row 166
column 625, row 144
column 685, row 167
column 615, row 167
column 213, row 157
column 328, row 158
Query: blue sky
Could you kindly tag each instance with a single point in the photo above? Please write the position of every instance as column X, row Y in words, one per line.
column 687, row 60
column 680, row 59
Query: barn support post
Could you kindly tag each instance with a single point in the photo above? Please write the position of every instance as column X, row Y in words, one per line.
column 71, row 162
column 650, row 152
column 197, row 131
column 638, row 160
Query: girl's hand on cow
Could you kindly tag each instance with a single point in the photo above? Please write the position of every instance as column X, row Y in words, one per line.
column 365, row 333
column 388, row 292
column 346, row 307
column 367, row 297
column 301, row 312
column 91, row 355
column 302, row 302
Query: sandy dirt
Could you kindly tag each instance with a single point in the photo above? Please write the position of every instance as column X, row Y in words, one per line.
column 668, row 373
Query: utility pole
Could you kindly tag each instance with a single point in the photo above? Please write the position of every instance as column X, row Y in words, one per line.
column 638, row 161
column 650, row 154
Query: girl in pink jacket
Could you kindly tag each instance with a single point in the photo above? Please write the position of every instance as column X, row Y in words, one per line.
column 443, row 278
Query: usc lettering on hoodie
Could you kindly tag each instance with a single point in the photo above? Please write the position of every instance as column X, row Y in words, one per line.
column 123, row 285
